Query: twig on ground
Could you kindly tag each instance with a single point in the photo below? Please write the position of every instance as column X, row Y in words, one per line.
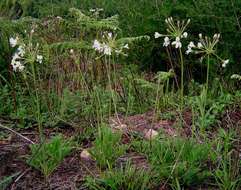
column 16, row 133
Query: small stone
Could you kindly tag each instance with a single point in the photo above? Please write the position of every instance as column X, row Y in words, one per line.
column 151, row 134
column 85, row 155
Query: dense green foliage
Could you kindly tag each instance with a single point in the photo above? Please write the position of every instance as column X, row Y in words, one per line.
column 146, row 17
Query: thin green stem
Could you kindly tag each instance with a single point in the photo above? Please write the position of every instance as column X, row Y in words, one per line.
column 208, row 68
column 37, row 102
column 182, row 78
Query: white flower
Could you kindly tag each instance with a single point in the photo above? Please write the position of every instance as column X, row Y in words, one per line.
column 200, row 35
column 236, row 76
column 92, row 10
column 32, row 31
column 184, row 35
column 189, row 48
column 177, row 43
column 97, row 46
column 191, row 45
column 126, row 46
column 21, row 51
column 106, row 49
column 166, row 42
column 102, row 47
column 157, row 35
column 225, row 62
column 13, row 41
column 15, row 57
column 110, row 35
column 17, row 66
column 21, row 67
column 199, row 45
column 39, row 58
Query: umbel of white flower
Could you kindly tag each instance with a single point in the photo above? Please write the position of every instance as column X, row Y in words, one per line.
column 17, row 66
column 16, row 63
column 106, row 49
column 175, row 30
column 102, row 48
column 206, row 46
column 17, row 56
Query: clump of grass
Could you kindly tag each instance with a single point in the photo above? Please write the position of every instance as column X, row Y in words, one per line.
column 228, row 171
column 107, row 147
column 177, row 162
column 124, row 178
column 47, row 156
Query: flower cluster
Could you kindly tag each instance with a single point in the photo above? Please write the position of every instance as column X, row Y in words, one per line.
column 236, row 76
column 18, row 57
column 176, row 31
column 109, row 46
column 102, row 48
column 206, row 46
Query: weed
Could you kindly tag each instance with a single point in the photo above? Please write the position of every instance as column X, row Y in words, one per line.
column 227, row 174
column 107, row 147
column 178, row 161
column 124, row 178
column 46, row 157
